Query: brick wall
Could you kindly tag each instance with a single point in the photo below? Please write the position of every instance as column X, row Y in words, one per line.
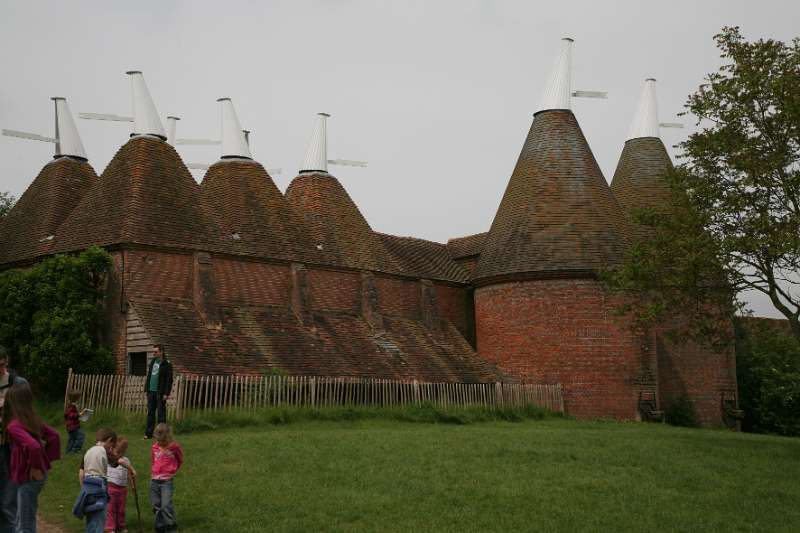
column 563, row 331
column 158, row 274
column 332, row 290
column 398, row 297
column 251, row 283
column 698, row 373
column 451, row 304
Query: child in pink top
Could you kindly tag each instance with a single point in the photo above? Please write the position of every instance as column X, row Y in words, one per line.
column 34, row 445
column 166, row 456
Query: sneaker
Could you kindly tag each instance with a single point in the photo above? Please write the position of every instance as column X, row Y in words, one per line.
column 147, row 437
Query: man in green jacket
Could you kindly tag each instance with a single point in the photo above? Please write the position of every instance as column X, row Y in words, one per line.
column 158, row 387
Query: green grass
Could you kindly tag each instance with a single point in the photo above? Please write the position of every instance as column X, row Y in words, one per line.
column 368, row 470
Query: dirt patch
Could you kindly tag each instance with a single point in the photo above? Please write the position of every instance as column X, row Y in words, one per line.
column 46, row 527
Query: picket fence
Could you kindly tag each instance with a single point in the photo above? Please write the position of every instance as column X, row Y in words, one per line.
column 193, row 392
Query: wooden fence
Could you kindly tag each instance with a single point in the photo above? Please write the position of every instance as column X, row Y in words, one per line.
column 191, row 392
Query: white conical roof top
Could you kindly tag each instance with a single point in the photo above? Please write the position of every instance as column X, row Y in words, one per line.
column 145, row 115
column 317, row 154
column 234, row 143
column 645, row 122
column 558, row 91
column 68, row 142
column 172, row 123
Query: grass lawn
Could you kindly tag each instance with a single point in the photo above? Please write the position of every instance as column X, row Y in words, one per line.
column 378, row 474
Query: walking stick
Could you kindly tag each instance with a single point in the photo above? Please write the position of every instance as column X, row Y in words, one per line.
column 138, row 510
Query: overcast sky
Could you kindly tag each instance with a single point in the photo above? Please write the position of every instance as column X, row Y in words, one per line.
column 437, row 96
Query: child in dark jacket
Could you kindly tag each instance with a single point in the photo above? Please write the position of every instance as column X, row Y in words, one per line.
column 72, row 421
column 34, row 446
column 166, row 456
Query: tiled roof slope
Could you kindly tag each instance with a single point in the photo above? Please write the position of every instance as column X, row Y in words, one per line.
column 460, row 247
column 639, row 179
column 43, row 207
column 558, row 215
column 245, row 201
column 146, row 195
column 336, row 344
column 335, row 224
column 423, row 259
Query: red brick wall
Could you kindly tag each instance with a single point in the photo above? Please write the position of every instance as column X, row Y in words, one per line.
column 334, row 290
column 451, row 303
column 562, row 331
column 697, row 372
column 251, row 283
column 398, row 297
column 158, row 274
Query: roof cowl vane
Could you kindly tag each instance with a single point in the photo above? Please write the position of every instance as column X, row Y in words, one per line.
column 317, row 154
column 68, row 141
column 645, row 122
column 234, row 142
column 558, row 92
column 172, row 123
column 145, row 115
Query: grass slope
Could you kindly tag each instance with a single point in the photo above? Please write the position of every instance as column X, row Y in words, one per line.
column 373, row 473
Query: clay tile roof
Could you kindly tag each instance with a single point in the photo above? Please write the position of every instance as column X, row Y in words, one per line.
column 558, row 215
column 43, row 207
column 146, row 195
column 424, row 259
column 468, row 246
column 336, row 225
column 639, row 179
column 336, row 344
column 245, row 202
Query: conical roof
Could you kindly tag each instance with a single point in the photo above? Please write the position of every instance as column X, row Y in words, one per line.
column 27, row 231
column 247, row 204
column 146, row 195
column 335, row 225
column 557, row 216
column 639, row 179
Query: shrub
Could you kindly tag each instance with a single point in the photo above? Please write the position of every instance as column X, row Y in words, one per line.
column 50, row 318
column 768, row 372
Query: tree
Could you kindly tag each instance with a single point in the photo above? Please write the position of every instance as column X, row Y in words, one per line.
column 51, row 318
column 734, row 223
column 768, row 366
column 6, row 203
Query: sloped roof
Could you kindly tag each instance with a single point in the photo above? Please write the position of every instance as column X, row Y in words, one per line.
column 336, row 226
column 557, row 216
column 242, row 197
column 423, row 259
column 146, row 195
column 338, row 344
column 470, row 245
column 639, row 179
column 44, row 206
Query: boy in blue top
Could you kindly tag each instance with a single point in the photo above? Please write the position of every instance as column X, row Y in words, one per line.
column 158, row 387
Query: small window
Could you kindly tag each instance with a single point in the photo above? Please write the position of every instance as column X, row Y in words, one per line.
column 137, row 364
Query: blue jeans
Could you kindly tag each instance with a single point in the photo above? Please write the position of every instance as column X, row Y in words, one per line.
column 161, row 500
column 8, row 494
column 27, row 504
column 8, row 501
column 96, row 521
column 75, row 440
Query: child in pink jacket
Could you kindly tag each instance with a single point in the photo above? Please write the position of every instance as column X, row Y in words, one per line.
column 166, row 456
column 34, row 445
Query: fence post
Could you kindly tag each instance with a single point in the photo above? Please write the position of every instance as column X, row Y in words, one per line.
column 69, row 384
